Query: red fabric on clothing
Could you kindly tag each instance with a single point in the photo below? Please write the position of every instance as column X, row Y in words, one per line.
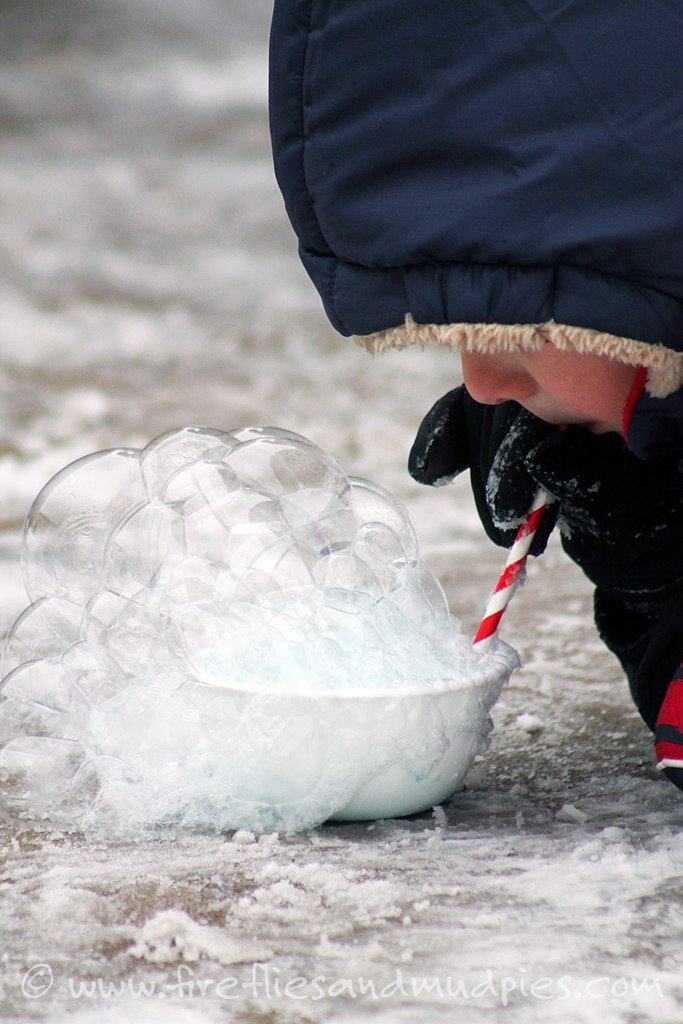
column 639, row 382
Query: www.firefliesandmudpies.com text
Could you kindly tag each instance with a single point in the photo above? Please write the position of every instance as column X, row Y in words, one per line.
column 267, row 983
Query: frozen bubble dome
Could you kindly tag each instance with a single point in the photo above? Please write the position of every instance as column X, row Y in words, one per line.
column 227, row 632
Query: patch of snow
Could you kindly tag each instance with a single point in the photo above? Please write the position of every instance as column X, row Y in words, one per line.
column 529, row 723
column 173, row 935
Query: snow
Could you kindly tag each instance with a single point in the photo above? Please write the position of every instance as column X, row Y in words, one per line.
column 572, row 814
column 530, row 723
column 172, row 935
column 149, row 280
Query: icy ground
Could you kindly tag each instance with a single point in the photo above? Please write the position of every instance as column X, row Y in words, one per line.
column 149, row 280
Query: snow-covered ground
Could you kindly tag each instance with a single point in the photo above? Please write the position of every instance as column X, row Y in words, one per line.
column 148, row 279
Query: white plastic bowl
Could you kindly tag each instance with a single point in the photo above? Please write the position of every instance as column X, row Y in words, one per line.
column 364, row 754
column 400, row 790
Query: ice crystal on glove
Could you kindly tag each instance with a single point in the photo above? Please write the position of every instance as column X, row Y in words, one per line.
column 208, row 616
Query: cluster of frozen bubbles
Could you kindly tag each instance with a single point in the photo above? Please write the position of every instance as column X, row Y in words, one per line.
column 206, row 614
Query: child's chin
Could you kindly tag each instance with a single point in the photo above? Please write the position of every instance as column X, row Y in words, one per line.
column 600, row 428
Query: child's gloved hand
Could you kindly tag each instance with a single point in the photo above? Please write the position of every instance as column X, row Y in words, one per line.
column 621, row 517
column 493, row 442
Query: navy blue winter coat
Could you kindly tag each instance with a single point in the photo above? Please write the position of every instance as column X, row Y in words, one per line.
column 491, row 162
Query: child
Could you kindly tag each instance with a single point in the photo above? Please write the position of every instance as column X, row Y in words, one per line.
column 503, row 178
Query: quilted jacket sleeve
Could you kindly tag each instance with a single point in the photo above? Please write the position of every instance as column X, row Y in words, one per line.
column 650, row 649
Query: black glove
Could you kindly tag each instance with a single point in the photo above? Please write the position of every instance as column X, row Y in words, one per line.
column 493, row 442
column 621, row 517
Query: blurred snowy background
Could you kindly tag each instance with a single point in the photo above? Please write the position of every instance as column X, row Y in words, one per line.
column 148, row 280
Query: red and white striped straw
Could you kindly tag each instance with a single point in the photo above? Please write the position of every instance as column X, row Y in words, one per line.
column 509, row 578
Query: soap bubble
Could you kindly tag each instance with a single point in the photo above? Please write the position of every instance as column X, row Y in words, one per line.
column 372, row 505
column 178, row 448
column 69, row 522
column 139, row 546
column 226, row 631
column 42, row 630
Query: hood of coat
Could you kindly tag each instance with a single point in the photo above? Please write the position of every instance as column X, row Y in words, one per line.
column 490, row 175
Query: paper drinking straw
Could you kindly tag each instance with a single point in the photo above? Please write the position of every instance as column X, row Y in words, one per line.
column 509, row 578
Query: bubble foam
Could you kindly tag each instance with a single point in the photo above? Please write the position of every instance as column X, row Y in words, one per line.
column 229, row 632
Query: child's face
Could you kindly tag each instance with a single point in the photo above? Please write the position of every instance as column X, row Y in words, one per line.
column 559, row 386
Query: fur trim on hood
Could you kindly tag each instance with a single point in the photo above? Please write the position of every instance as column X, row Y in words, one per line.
column 664, row 366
